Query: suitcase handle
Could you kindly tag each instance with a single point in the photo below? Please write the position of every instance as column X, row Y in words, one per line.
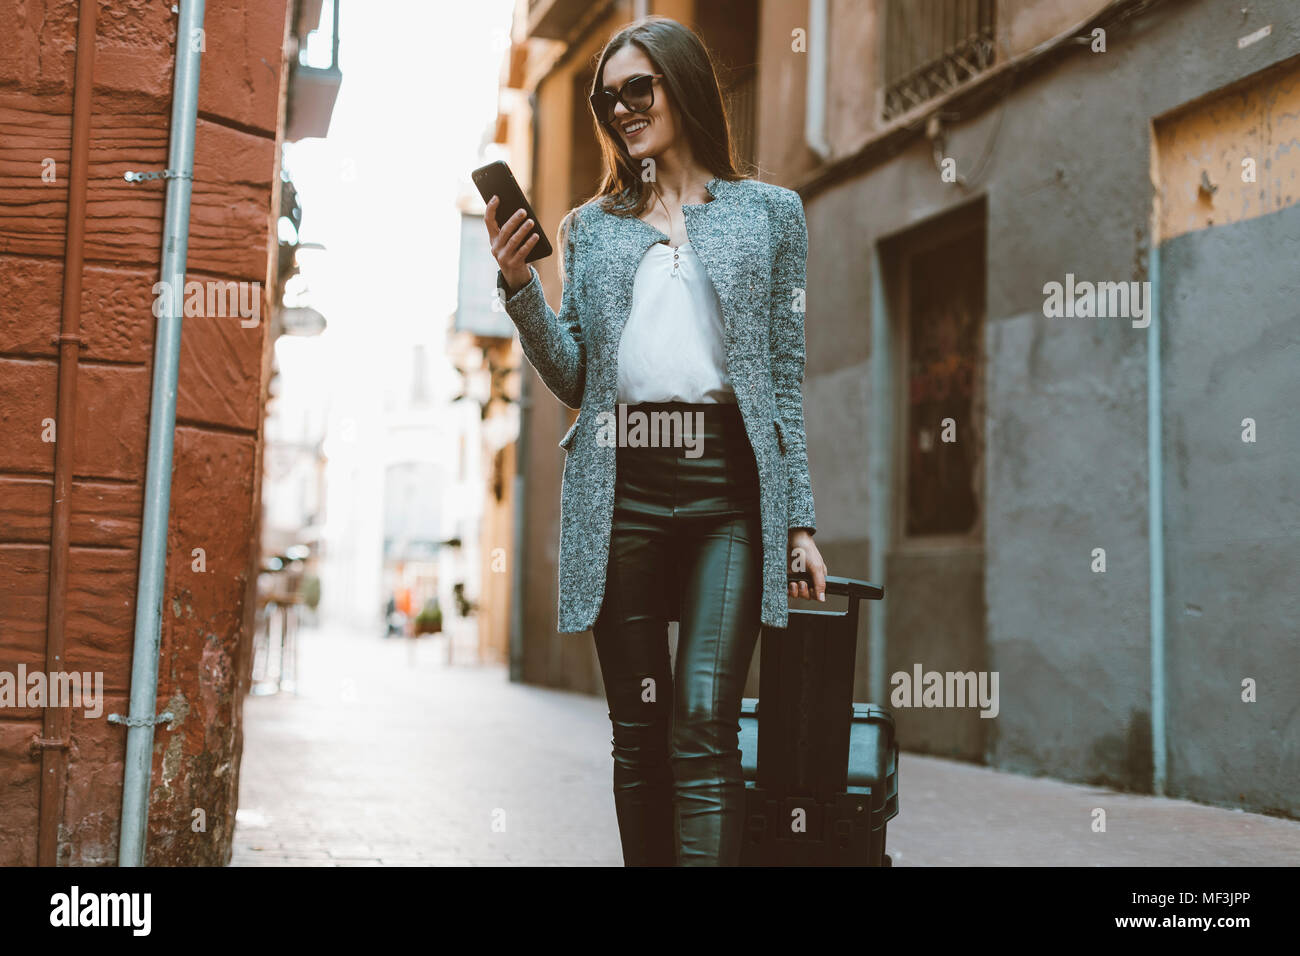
column 849, row 587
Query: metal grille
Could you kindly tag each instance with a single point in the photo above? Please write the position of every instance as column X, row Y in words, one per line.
column 932, row 46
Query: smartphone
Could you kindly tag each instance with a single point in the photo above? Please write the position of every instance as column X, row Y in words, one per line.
column 495, row 179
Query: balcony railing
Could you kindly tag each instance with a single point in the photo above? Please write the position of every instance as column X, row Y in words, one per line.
column 933, row 46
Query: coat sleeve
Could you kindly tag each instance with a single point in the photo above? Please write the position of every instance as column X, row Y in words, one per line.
column 789, row 267
column 553, row 342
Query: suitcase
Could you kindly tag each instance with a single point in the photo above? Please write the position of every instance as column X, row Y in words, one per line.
column 821, row 775
column 785, row 827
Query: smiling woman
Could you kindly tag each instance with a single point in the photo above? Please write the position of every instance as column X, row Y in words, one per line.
column 658, row 108
column 683, row 296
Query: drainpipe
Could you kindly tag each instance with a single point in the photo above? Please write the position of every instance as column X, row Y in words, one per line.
column 1156, row 527
column 517, row 576
column 879, row 475
column 520, row 529
column 52, row 745
column 814, row 132
column 162, row 428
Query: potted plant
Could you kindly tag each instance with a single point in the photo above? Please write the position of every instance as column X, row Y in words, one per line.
column 429, row 620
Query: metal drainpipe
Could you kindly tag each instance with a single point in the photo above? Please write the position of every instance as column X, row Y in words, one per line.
column 880, row 472
column 520, row 528
column 521, row 457
column 53, row 744
column 814, row 133
column 162, row 428
column 1156, row 526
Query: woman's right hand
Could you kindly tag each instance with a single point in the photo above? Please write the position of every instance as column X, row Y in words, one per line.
column 509, row 246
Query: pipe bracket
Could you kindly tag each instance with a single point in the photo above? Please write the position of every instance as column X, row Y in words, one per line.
column 163, row 718
column 134, row 177
column 69, row 337
column 45, row 743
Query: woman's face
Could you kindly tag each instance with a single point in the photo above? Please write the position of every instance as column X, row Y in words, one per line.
column 644, row 134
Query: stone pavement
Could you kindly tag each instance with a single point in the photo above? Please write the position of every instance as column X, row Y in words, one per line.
column 387, row 756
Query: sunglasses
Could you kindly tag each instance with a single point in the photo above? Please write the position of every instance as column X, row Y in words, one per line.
column 637, row 94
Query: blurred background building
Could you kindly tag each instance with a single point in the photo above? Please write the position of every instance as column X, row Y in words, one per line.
column 486, row 354
column 967, row 450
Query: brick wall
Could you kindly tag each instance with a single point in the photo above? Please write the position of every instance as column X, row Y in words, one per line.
column 207, row 613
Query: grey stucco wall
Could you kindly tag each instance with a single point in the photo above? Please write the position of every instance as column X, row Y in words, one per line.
column 1068, row 190
column 1231, row 341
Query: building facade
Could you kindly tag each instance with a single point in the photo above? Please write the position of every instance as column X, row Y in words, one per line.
column 85, row 97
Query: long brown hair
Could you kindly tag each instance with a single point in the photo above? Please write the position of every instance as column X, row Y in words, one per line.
column 694, row 95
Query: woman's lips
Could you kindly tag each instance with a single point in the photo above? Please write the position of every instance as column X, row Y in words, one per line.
column 635, row 132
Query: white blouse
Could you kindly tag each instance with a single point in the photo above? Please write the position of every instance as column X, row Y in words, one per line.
column 673, row 348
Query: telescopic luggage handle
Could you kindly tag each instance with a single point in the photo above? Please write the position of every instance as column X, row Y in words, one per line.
column 849, row 587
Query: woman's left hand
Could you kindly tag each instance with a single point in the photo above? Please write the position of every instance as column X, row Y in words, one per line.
column 804, row 556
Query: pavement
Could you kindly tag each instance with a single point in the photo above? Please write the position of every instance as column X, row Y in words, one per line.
column 385, row 755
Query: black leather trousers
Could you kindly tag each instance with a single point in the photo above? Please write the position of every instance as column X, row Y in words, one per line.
column 686, row 545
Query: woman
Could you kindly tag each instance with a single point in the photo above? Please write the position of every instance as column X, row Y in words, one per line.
column 683, row 299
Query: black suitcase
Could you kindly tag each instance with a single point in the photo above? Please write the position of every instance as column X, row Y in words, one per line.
column 821, row 776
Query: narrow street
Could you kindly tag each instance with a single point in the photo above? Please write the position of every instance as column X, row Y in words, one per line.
column 388, row 756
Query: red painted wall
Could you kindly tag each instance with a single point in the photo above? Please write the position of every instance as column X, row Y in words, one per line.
column 207, row 615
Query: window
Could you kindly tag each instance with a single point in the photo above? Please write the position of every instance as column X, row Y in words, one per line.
column 729, row 28
column 933, row 46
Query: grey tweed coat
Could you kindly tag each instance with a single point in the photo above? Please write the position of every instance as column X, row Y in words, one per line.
column 753, row 242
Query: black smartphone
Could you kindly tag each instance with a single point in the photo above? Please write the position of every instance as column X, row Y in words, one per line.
column 495, row 179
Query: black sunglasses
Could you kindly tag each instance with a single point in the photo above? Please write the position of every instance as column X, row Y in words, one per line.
column 637, row 93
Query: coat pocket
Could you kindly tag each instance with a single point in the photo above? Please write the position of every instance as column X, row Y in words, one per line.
column 780, row 434
column 567, row 440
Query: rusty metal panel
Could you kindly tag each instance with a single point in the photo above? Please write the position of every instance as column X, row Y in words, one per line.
column 1206, row 154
